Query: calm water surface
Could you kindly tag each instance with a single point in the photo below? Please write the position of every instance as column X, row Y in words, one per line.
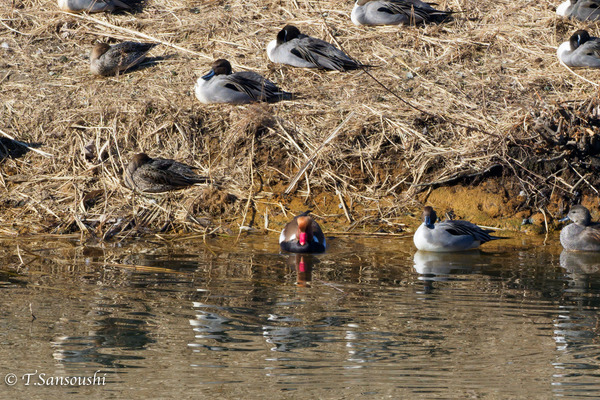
column 371, row 318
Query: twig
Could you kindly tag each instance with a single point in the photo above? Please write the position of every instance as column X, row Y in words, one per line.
column 316, row 153
column 583, row 178
column 28, row 147
column 343, row 203
column 577, row 75
column 136, row 33
column 545, row 224
column 14, row 30
column 251, row 160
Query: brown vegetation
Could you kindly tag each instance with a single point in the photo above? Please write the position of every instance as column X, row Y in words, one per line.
column 480, row 97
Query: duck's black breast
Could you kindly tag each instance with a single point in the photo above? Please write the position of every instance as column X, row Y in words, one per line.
column 295, row 247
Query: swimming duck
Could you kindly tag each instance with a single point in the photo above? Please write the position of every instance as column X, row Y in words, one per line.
column 448, row 235
column 581, row 50
column 298, row 50
column 302, row 235
column 92, row 6
column 109, row 60
column 222, row 86
column 584, row 10
column 156, row 175
column 582, row 234
column 395, row 12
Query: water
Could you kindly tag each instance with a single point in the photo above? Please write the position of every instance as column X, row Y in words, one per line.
column 371, row 318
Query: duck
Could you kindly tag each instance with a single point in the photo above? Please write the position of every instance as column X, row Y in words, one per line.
column 395, row 12
column 220, row 85
column 582, row 234
column 93, row 6
column 157, row 175
column 302, row 235
column 448, row 235
column 298, row 50
column 107, row 60
column 581, row 50
column 584, row 10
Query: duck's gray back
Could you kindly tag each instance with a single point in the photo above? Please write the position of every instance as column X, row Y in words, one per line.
column 586, row 10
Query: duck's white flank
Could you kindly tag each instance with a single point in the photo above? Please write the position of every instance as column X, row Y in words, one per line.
column 562, row 9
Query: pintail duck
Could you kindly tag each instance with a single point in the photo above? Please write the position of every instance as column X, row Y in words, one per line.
column 448, row 235
column 395, row 12
column 581, row 50
column 220, row 85
column 156, row 175
column 584, row 10
column 109, row 60
column 302, row 235
column 298, row 50
column 93, row 6
column 582, row 234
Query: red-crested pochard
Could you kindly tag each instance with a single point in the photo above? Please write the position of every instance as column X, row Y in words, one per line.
column 302, row 235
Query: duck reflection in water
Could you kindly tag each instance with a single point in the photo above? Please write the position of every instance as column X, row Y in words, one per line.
column 576, row 328
column 286, row 332
column 211, row 327
column 439, row 267
column 111, row 341
column 303, row 265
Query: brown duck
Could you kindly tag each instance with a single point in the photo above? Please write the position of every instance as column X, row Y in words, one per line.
column 107, row 60
column 156, row 175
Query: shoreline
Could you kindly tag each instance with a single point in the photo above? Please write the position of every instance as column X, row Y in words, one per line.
column 472, row 116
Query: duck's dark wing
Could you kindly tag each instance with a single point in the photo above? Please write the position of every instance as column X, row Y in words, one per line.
column 128, row 54
column 414, row 10
column 322, row 54
column 255, row 86
column 466, row 228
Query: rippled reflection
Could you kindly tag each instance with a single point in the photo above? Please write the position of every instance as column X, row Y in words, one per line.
column 369, row 318
column 577, row 326
column 440, row 266
column 303, row 265
column 106, row 331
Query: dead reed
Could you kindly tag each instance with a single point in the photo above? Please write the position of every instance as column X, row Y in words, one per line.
column 444, row 104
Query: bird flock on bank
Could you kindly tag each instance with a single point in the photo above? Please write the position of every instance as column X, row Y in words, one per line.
column 221, row 85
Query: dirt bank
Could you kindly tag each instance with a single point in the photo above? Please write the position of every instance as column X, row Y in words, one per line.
column 473, row 116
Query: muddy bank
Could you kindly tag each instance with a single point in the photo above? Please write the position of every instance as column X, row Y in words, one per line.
column 474, row 116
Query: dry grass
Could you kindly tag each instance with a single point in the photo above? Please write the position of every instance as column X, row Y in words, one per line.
column 461, row 100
